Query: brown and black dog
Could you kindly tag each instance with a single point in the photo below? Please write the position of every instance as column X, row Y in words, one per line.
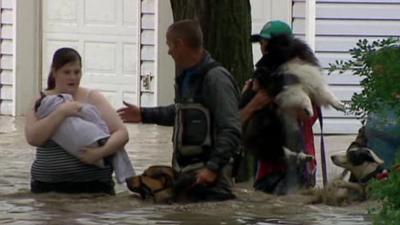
column 163, row 184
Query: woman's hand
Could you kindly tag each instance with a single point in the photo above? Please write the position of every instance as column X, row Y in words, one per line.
column 118, row 132
column 39, row 131
column 260, row 100
column 247, row 85
column 91, row 155
column 70, row 108
column 302, row 115
column 130, row 113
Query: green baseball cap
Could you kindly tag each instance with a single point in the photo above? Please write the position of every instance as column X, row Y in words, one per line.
column 271, row 29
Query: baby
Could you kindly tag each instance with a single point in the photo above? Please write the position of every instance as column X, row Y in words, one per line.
column 87, row 130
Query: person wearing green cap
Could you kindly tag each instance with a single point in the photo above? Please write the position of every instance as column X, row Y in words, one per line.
column 272, row 176
column 271, row 29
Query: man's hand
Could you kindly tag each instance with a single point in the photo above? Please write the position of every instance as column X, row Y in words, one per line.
column 206, row 177
column 130, row 113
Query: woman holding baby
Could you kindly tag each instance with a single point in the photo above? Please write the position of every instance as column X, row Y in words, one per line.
column 54, row 169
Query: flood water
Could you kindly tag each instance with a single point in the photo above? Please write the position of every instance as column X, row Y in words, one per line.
column 150, row 145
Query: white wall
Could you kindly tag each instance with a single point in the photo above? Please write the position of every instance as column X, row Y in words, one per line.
column 165, row 64
column 148, row 51
column 156, row 66
column 27, row 55
column 25, row 68
column 7, row 52
column 339, row 25
column 263, row 11
column 106, row 34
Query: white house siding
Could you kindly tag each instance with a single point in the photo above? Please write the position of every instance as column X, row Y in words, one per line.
column 6, row 57
column 147, row 48
column 156, row 66
column 339, row 25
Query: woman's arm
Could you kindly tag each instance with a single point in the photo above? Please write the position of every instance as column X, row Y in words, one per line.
column 118, row 132
column 260, row 100
column 38, row 131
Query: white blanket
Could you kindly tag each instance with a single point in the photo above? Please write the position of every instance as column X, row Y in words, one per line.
column 75, row 133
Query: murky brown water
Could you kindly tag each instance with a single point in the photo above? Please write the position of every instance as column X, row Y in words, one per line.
column 148, row 145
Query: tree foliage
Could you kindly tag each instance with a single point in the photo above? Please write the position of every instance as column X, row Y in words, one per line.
column 378, row 64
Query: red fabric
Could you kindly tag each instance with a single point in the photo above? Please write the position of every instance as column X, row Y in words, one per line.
column 382, row 176
column 266, row 168
column 308, row 136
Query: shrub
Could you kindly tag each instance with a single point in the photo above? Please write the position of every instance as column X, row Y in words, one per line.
column 378, row 64
column 387, row 192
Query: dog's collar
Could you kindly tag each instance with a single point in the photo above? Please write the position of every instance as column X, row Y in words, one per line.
column 373, row 174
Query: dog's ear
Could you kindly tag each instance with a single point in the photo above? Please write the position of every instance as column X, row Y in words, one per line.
column 354, row 146
column 361, row 138
column 376, row 158
column 362, row 155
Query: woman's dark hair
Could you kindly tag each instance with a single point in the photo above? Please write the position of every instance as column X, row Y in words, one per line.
column 61, row 57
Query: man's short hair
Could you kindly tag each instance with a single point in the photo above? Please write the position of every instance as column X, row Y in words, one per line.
column 189, row 31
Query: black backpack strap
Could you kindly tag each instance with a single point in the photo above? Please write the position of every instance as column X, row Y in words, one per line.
column 204, row 72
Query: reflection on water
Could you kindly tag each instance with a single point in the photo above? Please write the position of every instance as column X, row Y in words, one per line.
column 148, row 145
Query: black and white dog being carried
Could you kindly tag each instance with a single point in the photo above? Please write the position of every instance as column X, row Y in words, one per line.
column 290, row 73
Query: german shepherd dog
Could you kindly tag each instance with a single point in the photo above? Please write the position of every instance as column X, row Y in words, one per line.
column 163, row 184
column 156, row 182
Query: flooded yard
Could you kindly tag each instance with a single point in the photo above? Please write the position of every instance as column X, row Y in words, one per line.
column 150, row 145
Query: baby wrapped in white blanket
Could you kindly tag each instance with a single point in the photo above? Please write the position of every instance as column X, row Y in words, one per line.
column 87, row 130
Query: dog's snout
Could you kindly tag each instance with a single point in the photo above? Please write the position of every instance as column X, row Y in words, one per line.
column 340, row 160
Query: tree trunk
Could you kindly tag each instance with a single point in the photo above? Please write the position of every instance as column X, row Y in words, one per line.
column 226, row 25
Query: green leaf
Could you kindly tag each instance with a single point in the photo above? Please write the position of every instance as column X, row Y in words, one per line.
column 378, row 64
